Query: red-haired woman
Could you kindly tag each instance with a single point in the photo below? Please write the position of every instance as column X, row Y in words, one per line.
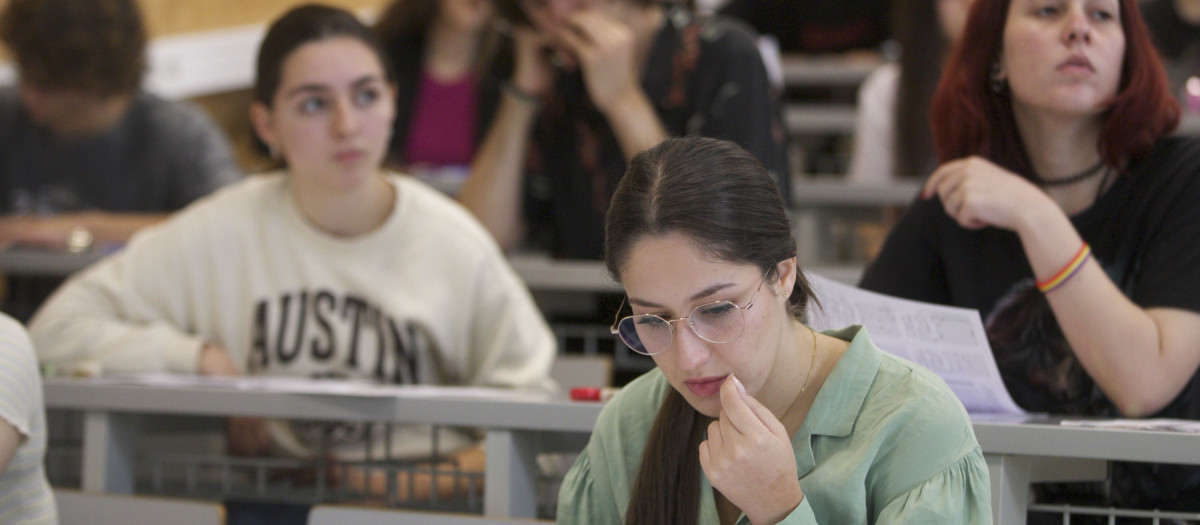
column 1066, row 215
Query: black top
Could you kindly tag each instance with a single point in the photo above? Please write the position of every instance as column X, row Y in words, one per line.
column 704, row 76
column 1142, row 231
column 816, row 27
column 1172, row 35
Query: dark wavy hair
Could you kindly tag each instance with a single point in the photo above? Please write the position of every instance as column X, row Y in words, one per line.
column 92, row 46
column 511, row 10
column 405, row 25
column 722, row 198
column 301, row 25
column 969, row 118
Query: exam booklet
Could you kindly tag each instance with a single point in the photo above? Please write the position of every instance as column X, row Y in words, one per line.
column 948, row 340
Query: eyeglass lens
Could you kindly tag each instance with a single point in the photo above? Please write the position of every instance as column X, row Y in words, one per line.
column 719, row 322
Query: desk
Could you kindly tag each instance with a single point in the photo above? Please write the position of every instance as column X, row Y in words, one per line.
column 517, row 427
column 819, row 119
column 49, row 263
column 829, row 218
column 1018, row 452
column 817, row 70
column 544, row 273
column 1041, row 450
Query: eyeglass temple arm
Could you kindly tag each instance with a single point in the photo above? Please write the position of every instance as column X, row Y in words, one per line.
column 617, row 317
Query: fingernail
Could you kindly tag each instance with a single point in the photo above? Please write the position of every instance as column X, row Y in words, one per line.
column 740, row 388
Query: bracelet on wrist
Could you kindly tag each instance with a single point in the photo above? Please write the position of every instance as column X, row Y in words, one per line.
column 520, row 94
column 1067, row 272
column 78, row 240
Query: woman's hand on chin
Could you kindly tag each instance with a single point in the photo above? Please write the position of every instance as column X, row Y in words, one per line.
column 748, row 457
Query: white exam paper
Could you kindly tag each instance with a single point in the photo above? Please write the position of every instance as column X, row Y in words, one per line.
column 301, row 385
column 948, row 340
column 1163, row 424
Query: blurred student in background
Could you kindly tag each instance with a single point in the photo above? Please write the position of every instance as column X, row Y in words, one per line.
column 1175, row 25
column 85, row 154
column 750, row 415
column 447, row 55
column 594, row 82
column 892, row 136
column 1067, row 215
column 25, row 495
column 329, row 268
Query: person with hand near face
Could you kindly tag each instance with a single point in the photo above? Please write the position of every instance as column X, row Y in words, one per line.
column 594, row 82
column 1064, row 212
column 329, row 268
column 751, row 416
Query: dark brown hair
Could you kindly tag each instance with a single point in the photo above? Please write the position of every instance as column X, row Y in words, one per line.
column 722, row 198
column 302, row 25
column 511, row 10
column 922, row 53
column 406, row 20
column 970, row 118
column 91, row 46
column 405, row 25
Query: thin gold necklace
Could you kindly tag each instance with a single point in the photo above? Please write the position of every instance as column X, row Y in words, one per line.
column 811, row 362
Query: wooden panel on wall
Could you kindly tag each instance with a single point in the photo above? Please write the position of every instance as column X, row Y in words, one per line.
column 173, row 17
column 170, row 17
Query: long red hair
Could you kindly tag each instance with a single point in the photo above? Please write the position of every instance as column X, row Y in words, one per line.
column 969, row 118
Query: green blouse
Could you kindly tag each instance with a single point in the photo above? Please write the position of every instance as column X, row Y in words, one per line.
column 885, row 441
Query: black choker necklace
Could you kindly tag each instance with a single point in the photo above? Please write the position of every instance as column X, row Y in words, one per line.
column 1089, row 172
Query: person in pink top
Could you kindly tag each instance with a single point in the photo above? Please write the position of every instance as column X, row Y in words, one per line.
column 444, row 52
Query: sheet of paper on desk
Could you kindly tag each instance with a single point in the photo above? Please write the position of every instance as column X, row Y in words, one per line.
column 1168, row 425
column 301, row 385
column 947, row 340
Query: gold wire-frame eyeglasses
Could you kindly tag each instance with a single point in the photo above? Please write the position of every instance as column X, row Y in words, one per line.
column 704, row 321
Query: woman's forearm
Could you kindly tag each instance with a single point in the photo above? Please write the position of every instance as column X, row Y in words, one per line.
column 493, row 192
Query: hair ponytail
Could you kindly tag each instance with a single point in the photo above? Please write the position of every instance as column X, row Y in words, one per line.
column 667, row 490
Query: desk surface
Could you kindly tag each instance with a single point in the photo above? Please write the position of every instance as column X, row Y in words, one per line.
column 817, row 70
column 504, row 409
column 1046, row 436
column 540, row 272
column 832, row 190
column 1030, row 437
column 29, row 261
column 819, row 119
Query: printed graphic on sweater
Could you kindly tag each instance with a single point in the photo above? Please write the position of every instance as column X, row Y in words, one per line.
column 338, row 332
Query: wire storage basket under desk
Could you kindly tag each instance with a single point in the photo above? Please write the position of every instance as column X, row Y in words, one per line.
column 1084, row 515
column 207, row 473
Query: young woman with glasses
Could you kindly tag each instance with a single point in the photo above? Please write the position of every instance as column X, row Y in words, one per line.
column 750, row 416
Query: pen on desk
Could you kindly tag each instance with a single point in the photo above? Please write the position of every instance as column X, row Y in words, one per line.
column 591, row 393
